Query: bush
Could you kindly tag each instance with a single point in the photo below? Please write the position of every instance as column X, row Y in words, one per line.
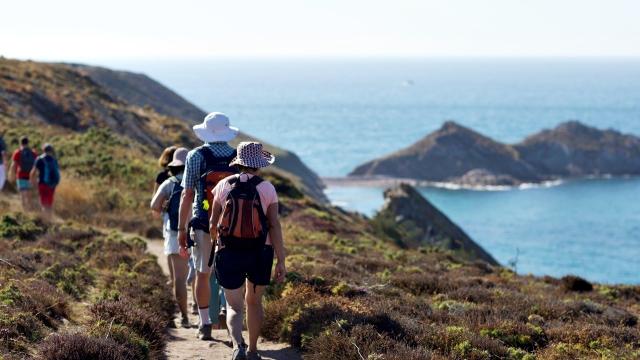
column 82, row 347
column 123, row 312
column 575, row 283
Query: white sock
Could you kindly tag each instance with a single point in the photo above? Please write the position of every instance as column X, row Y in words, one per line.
column 204, row 316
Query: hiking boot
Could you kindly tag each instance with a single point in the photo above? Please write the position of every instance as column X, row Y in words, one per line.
column 239, row 353
column 204, row 332
column 253, row 355
column 185, row 323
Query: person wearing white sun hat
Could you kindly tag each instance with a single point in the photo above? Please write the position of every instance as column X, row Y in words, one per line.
column 204, row 166
column 245, row 245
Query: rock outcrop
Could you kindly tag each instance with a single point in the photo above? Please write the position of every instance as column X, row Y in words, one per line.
column 459, row 155
column 412, row 221
column 573, row 149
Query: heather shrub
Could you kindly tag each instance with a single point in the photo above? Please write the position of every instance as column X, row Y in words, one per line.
column 123, row 335
column 575, row 283
column 19, row 226
column 82, row 347
column 142, row 322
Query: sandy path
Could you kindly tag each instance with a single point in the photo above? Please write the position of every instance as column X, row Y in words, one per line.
column 183, row 344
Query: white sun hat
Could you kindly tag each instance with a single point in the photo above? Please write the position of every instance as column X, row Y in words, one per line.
column 251, row 154
column 215, row 127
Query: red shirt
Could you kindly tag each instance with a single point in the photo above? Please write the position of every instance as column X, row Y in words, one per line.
column 22, row 175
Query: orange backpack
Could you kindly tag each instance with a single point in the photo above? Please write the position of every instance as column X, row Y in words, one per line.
column 243, row 224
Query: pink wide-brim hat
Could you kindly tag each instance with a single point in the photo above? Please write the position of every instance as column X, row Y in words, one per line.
column 251, row 154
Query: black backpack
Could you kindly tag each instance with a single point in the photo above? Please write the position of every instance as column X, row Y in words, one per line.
column 26, row 159
column 173, row 206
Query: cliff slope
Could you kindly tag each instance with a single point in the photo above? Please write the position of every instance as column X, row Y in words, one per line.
column 412, row 221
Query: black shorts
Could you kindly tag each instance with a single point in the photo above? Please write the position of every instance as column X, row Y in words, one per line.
column 234, row 266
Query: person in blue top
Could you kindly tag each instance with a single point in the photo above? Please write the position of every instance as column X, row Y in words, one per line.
column 45, row 174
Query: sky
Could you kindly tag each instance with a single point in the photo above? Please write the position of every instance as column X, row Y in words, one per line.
column 77, row 30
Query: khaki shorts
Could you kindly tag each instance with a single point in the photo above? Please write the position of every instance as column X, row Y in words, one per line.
column 201, row 250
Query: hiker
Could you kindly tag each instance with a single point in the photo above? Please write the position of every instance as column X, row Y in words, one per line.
column 165, row 158
column 205, row 166
column 22, row 163
column 245, row 220
column 167, row 201
column 45, row 174
column 3, row 160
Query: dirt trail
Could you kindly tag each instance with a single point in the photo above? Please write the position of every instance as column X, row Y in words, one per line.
column 183, row 344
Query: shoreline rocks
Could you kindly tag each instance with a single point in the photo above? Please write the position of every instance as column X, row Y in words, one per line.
column 457, row 155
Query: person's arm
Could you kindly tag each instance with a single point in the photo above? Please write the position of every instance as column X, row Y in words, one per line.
column 275, row 232
column 12, row 170
column 33, row 176
column 186, row 202
column 158, row 200
column 213, row 222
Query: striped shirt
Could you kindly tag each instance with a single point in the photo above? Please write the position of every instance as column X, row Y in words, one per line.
column 195, row 168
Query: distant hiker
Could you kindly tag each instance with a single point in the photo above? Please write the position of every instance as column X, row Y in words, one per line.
column 167, row 201
column 22, row 163
column 3, row 160
column 165, row 158
column 45, row 174
column 205, row 166
column 245, row 219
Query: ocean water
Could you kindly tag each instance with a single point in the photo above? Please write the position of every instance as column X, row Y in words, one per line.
column 338, row 113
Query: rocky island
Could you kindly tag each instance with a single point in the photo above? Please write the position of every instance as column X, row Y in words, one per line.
column 459, row 155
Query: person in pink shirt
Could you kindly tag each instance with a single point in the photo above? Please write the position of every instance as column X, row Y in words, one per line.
column 245, row 220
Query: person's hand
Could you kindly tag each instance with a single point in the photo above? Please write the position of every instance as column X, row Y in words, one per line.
column 280, row 272
column 184, row 253
column 182, row 238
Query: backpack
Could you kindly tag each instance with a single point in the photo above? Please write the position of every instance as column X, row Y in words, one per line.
column 173, row 205
column 27, row 159
column 217, row 168
column 51, row 170
column 243, row 224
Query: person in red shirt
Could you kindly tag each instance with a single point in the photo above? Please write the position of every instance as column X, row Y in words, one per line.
column 22, row 162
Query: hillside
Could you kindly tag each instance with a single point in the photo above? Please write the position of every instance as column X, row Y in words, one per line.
column 460, row 155
column 76, row 97
column 141, row 90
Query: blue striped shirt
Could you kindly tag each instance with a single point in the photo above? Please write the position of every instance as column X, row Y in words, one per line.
column 195, row 167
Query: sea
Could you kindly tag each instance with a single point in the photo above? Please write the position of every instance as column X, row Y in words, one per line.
column 337, row 113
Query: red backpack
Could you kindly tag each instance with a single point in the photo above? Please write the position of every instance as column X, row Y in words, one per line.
column 217, row 168
column 243, row 224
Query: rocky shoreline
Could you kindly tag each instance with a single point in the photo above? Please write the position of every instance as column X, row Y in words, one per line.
column 457, row 157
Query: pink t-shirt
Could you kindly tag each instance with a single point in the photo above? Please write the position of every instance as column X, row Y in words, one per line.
column 267, row 192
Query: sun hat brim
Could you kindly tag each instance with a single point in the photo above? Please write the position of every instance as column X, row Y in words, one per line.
column 206, row 135
column 176, row 163
column 265, row 160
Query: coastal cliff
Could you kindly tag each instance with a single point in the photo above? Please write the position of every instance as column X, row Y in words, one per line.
column 412, row 221
column 459, row 155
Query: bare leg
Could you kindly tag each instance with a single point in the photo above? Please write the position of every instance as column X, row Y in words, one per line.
column 180, row 267
column 171, row 275
column 203, row 290
column 235, row 314
column 255, row 313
